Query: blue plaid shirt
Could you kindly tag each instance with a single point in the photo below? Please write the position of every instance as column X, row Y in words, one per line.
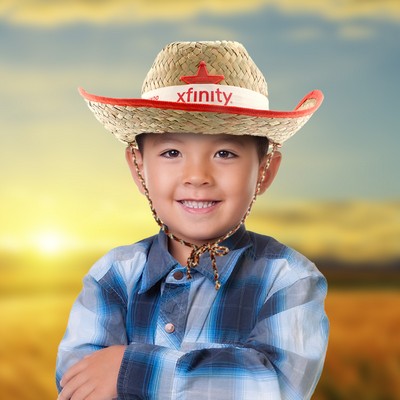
column 263, row 335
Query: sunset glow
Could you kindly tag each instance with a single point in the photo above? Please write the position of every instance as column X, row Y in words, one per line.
column 50, row 242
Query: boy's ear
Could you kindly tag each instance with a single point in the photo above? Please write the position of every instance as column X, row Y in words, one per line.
column 271, row 172
column 132, row 166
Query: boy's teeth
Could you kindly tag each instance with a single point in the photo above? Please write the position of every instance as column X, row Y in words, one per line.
column 197, row 204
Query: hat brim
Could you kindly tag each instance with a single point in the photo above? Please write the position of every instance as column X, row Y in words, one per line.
column 127, row 118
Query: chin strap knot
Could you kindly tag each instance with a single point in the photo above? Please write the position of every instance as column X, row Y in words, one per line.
column 215, row 250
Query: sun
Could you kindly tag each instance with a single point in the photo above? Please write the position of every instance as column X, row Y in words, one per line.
column 49, row 242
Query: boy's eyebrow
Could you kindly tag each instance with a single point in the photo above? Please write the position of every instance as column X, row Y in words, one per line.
column 217, row 140
column 236, row 140
column 161, row 138
column 230, row 138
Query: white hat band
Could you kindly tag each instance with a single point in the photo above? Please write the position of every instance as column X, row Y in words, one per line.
column 221, row 95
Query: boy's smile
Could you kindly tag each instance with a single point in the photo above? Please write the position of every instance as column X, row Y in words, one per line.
column 198, row 206
column 201, row 185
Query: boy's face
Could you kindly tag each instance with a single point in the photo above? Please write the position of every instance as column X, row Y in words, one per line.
column 200, row 185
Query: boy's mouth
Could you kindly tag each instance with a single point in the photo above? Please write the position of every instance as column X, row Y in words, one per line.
column 194, row 204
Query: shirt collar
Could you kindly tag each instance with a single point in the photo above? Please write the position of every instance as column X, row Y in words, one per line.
column 160, row 262
column 237, row 244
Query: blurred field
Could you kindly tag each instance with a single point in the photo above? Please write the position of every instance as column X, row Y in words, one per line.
column 363, row 360
column 29, row 338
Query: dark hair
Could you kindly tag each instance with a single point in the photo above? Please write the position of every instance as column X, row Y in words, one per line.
column 262, row 145
column 261, row 142
column 139, row 141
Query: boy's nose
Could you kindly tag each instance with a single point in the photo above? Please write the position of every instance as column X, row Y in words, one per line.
column 197, row 173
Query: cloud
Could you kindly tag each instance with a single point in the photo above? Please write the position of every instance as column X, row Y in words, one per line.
column 356, row 32
column 332, row 9
column 50, row 13
column 357, row 231
column 43, row 12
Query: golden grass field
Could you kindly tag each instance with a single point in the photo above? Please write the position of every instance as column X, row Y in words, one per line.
column 363, row 360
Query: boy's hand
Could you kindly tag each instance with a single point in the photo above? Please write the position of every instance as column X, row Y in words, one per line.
column 94, row 377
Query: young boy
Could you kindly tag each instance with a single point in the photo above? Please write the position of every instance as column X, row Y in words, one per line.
column 204, row 309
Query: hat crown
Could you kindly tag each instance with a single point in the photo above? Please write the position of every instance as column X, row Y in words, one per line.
column 227, row 58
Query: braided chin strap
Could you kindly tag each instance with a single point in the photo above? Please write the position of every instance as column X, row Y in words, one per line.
column 214, row 249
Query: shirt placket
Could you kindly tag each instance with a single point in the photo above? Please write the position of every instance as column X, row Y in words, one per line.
column 171, row 324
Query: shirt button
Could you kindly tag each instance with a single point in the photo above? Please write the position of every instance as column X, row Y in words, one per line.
column 169, row 328
column 178, row 275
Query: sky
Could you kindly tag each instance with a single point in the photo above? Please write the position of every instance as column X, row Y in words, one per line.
column 63, row 177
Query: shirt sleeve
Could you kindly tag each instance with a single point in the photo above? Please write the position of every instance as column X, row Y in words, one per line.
column 97, row 320
column 282, row 358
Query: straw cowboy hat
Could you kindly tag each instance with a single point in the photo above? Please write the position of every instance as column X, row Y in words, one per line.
column 202, row 87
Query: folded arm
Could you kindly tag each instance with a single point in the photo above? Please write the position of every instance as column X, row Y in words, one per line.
column 281, row 359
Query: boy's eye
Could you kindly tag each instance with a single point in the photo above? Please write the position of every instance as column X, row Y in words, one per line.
column 171, row 154
column 225, row 154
